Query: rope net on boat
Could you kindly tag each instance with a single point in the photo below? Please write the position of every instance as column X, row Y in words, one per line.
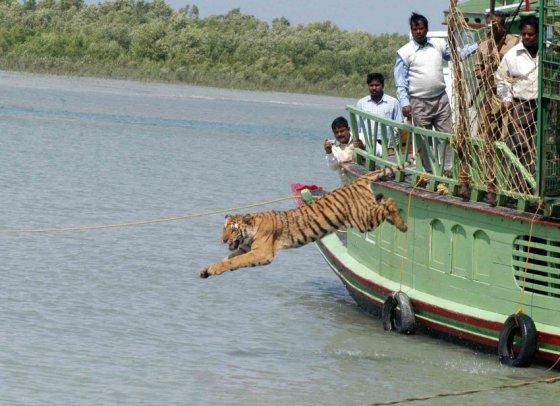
column 550, row 95
column 495, row 142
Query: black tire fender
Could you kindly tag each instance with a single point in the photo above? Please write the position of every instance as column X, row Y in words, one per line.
column 404, row 320
column 518, row 324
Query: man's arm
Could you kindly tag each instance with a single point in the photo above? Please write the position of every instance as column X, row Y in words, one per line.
column 397, row 116
column 397, row 113
column 502, row 86
column 332, row 161
column 447, row 52
column 401, row 82
column 479, row 63
column 467, row 50
column 360, row 105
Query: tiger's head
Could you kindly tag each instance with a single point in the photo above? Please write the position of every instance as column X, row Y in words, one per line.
column 237, row 230
column 392, row 213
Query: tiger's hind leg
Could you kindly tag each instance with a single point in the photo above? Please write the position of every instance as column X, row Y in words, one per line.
column 393, row 215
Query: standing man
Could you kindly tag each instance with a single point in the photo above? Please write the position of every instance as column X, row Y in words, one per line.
column 488, row 56
column 380, row 104
column 420, row 83
column 517, row 85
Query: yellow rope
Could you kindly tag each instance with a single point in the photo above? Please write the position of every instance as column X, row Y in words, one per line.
column 522, row 298
column 420, row 179
column 139, row 223
column 469, row 391
column 553, row 365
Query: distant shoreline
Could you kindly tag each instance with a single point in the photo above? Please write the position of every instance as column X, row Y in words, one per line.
column 176, row 89
column 144, row 41
column 166, row 77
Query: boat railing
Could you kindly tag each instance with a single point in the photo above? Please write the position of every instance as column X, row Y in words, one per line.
column 389, row 142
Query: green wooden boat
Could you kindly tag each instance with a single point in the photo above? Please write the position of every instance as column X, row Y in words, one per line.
column 477, row 273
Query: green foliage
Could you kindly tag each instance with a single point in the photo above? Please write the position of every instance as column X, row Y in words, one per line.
column 151, row 41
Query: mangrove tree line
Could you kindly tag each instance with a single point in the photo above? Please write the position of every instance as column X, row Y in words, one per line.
column 151, row 41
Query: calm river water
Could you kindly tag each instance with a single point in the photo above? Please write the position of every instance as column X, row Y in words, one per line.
column 119, row 315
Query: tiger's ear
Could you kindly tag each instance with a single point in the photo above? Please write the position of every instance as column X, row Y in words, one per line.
column 379, row 196
column 247, row 219
column 228, row 216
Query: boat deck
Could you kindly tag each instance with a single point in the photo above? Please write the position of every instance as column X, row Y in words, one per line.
column 508, row 210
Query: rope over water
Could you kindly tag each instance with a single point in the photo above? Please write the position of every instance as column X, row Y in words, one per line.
column 140, row 223
column 420, row 179
column 527, row 256
column 468, row 391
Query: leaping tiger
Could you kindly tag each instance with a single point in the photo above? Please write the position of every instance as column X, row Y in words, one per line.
column 254, row 239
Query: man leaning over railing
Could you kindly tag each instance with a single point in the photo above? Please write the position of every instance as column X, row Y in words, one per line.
column 341, row 149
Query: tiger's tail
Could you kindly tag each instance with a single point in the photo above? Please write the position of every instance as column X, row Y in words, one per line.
column 381, row 173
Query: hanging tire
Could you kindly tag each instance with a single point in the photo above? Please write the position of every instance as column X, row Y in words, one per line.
column 403, row 321
column 525, row 328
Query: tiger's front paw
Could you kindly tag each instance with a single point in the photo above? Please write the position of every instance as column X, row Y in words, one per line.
column 204, row 273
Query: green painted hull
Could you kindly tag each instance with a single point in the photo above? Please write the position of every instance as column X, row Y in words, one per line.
column 461, row 264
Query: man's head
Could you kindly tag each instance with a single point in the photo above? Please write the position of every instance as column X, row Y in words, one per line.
column 376, row 83
column 529, row 26
column 419, row 28
column 341, row 130
column 497, row 24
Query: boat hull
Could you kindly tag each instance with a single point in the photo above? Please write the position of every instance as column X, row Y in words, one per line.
column 458, row 263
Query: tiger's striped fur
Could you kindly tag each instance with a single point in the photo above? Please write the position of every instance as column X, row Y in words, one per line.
column 255, row 238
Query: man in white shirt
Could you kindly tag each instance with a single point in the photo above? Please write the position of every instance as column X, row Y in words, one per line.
column 341, row 149
column 379, row 104
column 517, row 86
column 490, row 52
